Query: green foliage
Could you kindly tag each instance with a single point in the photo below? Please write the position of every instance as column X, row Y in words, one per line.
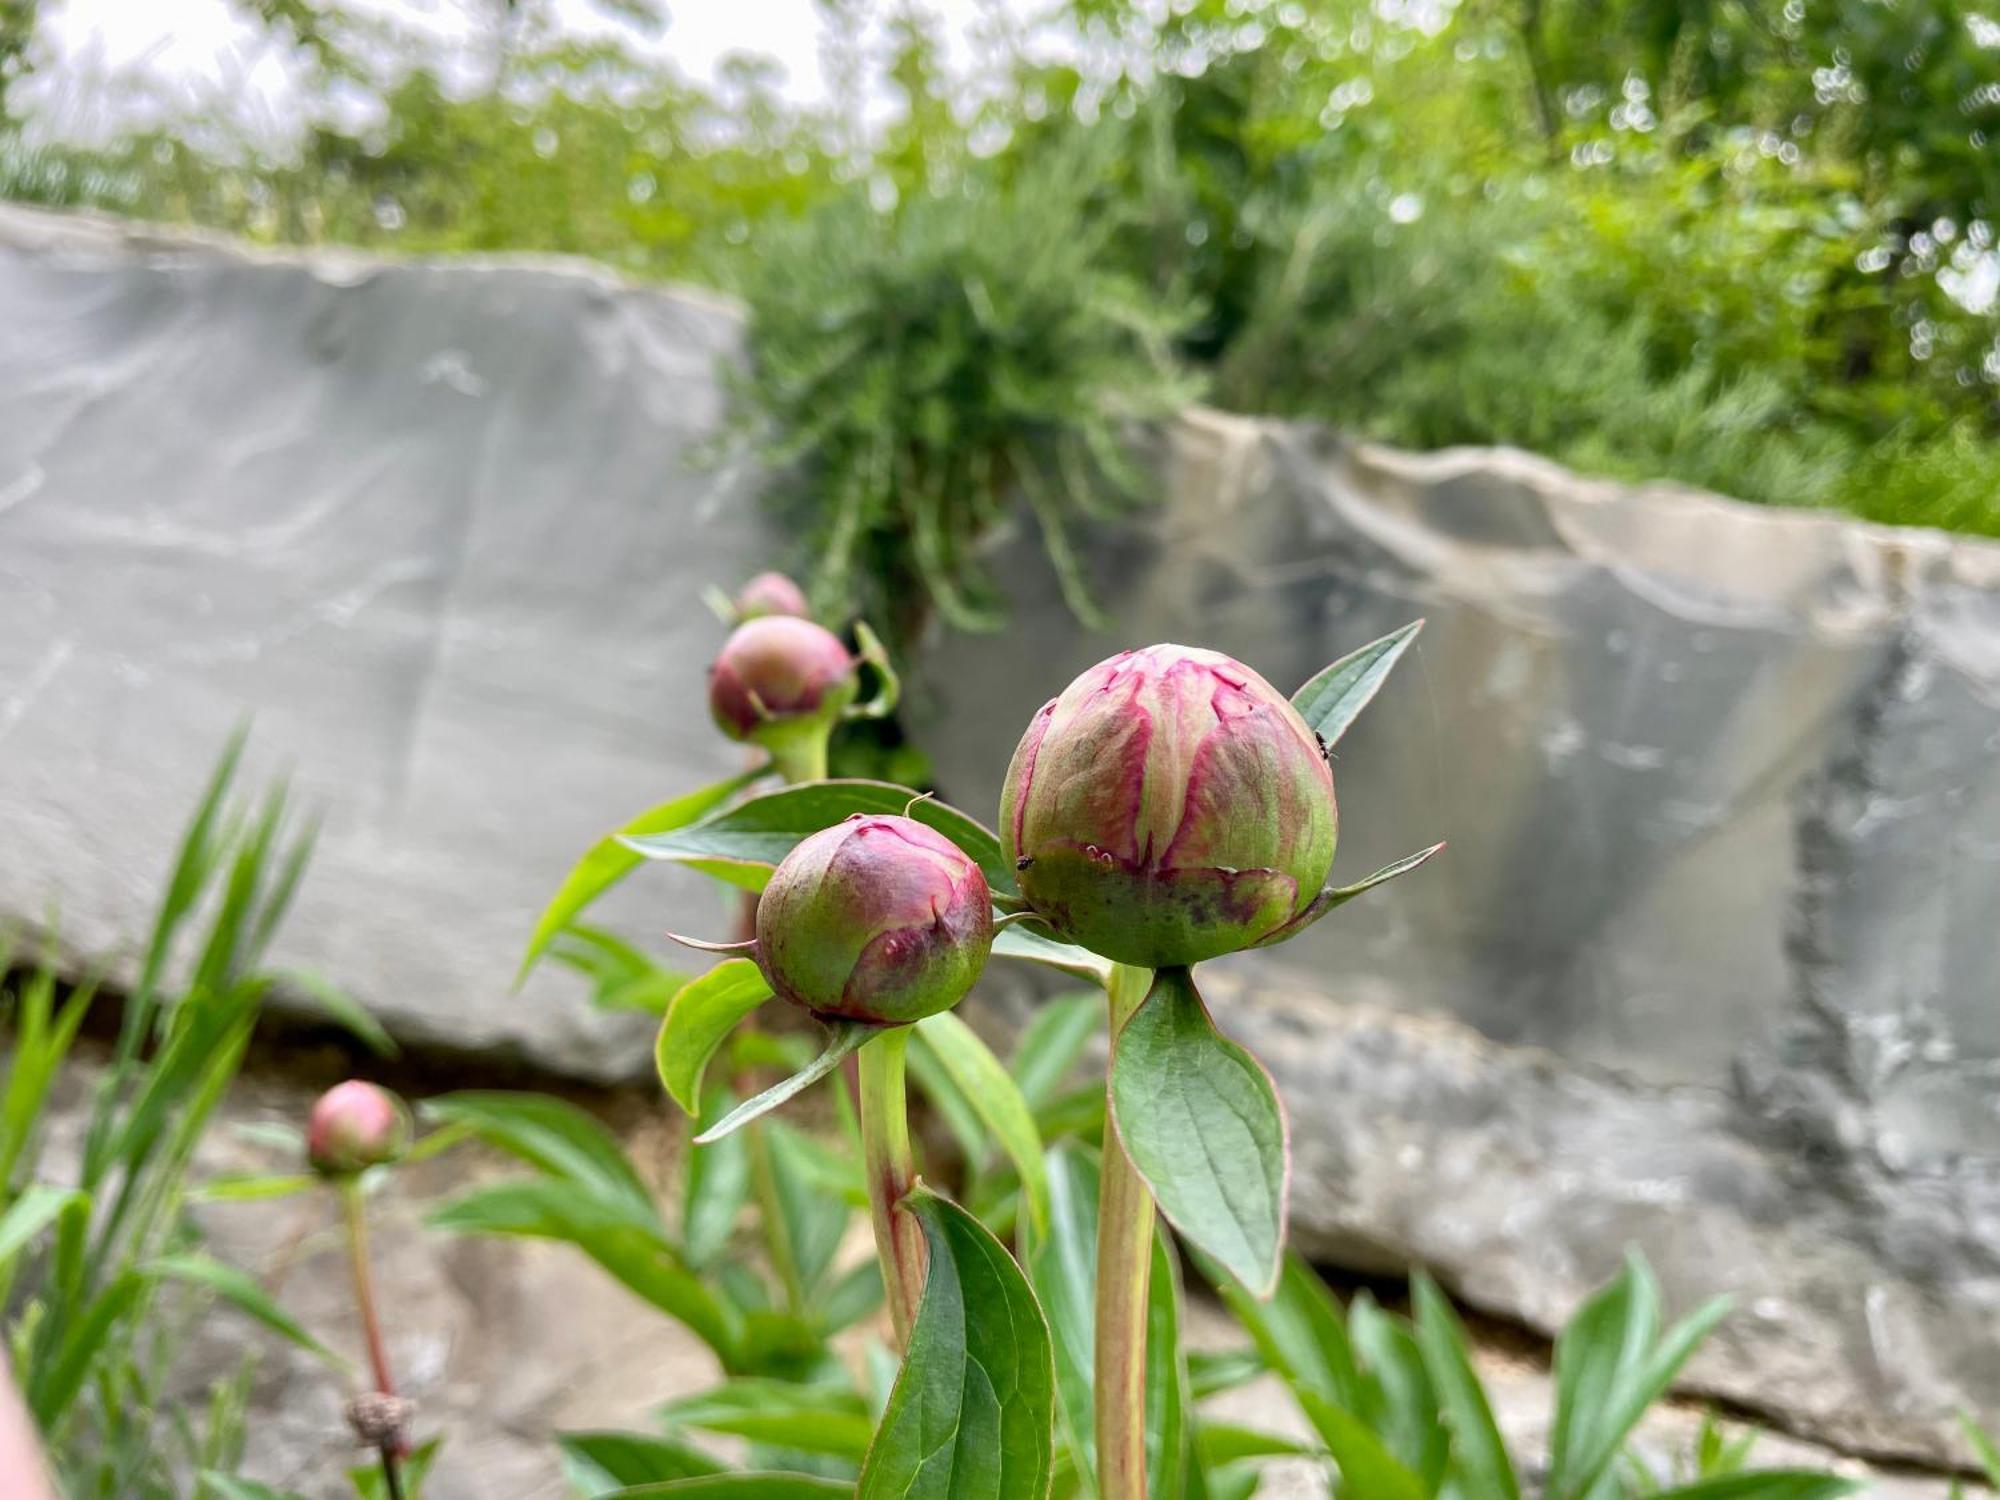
column 102, row 1271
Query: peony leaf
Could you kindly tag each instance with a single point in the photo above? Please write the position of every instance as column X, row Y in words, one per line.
column 1201, row 1121
column 843, row 1038
column 1334, row 698
column 699, row 1019
column 745, row 843
column 972, row 1414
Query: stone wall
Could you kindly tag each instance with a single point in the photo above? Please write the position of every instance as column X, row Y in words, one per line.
column 1709, row 967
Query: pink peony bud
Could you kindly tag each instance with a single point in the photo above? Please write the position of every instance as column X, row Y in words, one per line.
column 1171, row 806
column 770, row 594
column 875, row 919
column 354, row 1126
column 777, row 673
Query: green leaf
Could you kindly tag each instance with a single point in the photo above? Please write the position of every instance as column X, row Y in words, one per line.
column 1339, row 895
column 346, row 1011
column 253, row 1189
column 1051, row 1043
column 1983, row 1449
column 1220, row 1443
column 716, row 1186
column 1478, row 1453
column 1169, row 1405
column 1334, row 698
column 771, row 1486
column 31, row 1213
column 1023, row 941
column 1062, row 1266
column 609, row 860
column 1201, row 1121
column 1765, row 1484
column 555, row 1137
column 972, row 1413
column 1401, row 1405
column 815, row 1221
column 1214, row 1371
column 843, row 1037
column 218, row 1486
column 414, row 1471
column 758, row 833
column 241, row 1290
column 597, row 1463
column 888, row 686
column 990, row 1090
column 821, row 1419
column 1300, row 1333
column 636, row 1254
column 699, row 1019
column 1367, row 1468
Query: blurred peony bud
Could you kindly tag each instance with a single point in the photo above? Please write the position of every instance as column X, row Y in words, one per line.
column 354, row 1126
column 1171, row 806
column 770, row 594
column 875, row 919
column 777, row 674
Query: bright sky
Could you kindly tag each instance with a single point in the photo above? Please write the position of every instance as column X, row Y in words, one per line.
column 149, row 54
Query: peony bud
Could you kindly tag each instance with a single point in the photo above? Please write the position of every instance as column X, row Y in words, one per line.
column 777, row 674
column 770, row 594
column 354, row 1126
column 875, row 919
column 1171, row 806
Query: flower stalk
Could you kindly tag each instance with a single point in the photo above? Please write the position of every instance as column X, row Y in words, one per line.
column 890, row 1170
column 1124, row 1271
column 353, row 1211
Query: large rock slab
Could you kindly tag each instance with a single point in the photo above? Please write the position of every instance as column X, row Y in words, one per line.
column 1708, row 968
column 435, row 526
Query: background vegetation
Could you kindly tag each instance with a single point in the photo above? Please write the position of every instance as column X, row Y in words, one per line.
column 1740, row 244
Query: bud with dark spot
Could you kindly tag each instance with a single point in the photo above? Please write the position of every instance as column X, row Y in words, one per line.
column 877, row 919
column 770, row 594
column 355, row 1126
column 1171, row 806
column 778, row 676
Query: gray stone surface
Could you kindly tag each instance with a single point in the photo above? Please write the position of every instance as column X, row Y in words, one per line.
column 1709, row 967
column 434, row 526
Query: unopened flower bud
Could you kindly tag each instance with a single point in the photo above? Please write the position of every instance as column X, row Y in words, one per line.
column 776, row 674
column 1171, row 806
column 379, row 1420
column 770, row 594
column 875, row 919
column 355, row 1126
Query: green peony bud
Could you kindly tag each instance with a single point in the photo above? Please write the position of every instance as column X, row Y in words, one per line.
column 354, row 1126
column 770, row 594
column 875, row 919
column 1171, row 806
column 777, row 676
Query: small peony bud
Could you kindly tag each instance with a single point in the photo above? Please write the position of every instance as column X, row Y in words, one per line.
column 354, row 1126
column 776, row 674
column 875, row 919
column 770, row 594
column 379, row 1420
column 1171, row 806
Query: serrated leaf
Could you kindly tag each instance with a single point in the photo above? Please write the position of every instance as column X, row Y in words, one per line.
column 1334, row 698
column 1478, row 1453
column 972, row 1413
column 990, row 1090
column 759, row 832
column 609, row 860
column 699, row 1019
column 1201, row 1121
column 599, row 1463
column 241, row 1291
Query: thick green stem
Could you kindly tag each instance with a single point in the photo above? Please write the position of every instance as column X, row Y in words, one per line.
column 355, row 1213
column 1124, row 1268
column 799, row 753
column 891, row 1171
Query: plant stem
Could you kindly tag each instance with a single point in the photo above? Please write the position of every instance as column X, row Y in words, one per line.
column 1124, row 1268
column 353, row 1211
column 891, row 1171
column 800, row 754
